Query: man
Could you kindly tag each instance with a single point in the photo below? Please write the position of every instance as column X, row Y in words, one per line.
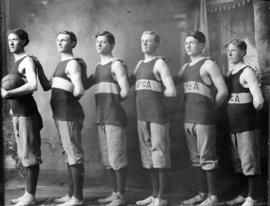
column 243, row 105
column 200, row 76
column 111, row 87
column 26, row 119
column 153, row 82
column 67, row 88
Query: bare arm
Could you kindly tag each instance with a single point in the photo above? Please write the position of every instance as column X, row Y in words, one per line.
column 251, row 81
column 27, row 67
column 73, row 71
column 162, row 68
column 121, row 77
column 218, row 81
column 177, row 79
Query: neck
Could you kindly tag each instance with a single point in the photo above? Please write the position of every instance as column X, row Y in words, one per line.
column 66, row 56
column 196, row 58
column 18, row 56
column 149, row 57
column 237, row 66
column 105, row 58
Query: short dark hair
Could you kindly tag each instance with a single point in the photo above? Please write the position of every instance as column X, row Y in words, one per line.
column 154, row 34
column 197, row 35
column 21, row 34
column 239, row 43
column 71, row 35
column 108, row 35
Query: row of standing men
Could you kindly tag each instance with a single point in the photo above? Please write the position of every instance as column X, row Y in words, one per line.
column 204, row 91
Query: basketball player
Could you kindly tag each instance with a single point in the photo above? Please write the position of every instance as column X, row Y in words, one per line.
column 111, row 87
column 245, row 101
column 26, row 119
column 67, row 88
column 200, row 76
column 153, row 83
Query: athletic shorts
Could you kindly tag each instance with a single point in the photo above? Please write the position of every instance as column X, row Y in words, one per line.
column 112, row 141
column 246, row 152
column 154, row 143
column 27, row 136
column 71, row 140
column 201, row 142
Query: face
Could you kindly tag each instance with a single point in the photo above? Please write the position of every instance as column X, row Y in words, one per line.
column 63, row 43
column 16, row 45
column 192, row 46
column 234, row 54
column 103, row 46
column 148, row 44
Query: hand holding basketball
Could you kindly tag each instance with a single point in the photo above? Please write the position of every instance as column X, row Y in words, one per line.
column 9, row 82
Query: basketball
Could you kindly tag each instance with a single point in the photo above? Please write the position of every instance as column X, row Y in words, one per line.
column 11, row 81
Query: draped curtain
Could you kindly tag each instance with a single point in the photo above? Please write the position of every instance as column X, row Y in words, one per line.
column 227, row 22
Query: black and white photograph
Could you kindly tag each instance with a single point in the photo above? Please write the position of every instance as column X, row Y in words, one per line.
column 135, row 102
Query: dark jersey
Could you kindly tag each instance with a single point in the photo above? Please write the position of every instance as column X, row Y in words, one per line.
column 107, row 94
column 198, row 96
column 64, row 105
column 240, row 109
column 149, row 94
column 24, row 105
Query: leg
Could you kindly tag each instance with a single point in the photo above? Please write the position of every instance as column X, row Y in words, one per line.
column 28, row 143
column 32, row 178
column 146, row 157
column 113, row 180
column 160, row 142
column 201, row 179
column 121, row 177
column 70, row 182
column 77, row 177
column 154, row 175
column 162, row 183
column 70, row 134
column 117, row 155
column 206, row 143
column 211, row 180
column 249, row 152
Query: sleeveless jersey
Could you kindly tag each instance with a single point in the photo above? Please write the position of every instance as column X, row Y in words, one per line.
column 108, row 101
column 64, row 105
column 198, row 96
column 24, row 105
column 149, row 94
column 240, row 109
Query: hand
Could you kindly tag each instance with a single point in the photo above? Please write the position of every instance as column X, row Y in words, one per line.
column 4, row 93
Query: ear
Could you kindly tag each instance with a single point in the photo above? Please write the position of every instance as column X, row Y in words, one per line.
column 202, row 45
column 112, row 46
column 73, row 44
column 23, row 42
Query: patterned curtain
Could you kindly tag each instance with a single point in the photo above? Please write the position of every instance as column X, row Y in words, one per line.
column 219, row 5
column 230, row 24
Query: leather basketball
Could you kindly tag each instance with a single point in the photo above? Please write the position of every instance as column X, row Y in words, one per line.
column 11, row 81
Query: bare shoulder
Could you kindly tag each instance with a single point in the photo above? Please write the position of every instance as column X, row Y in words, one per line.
column 209, row 63
column 27, row 61
column 160, row 62
column 248, row 73
column 73, row 66
column 117, row 63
